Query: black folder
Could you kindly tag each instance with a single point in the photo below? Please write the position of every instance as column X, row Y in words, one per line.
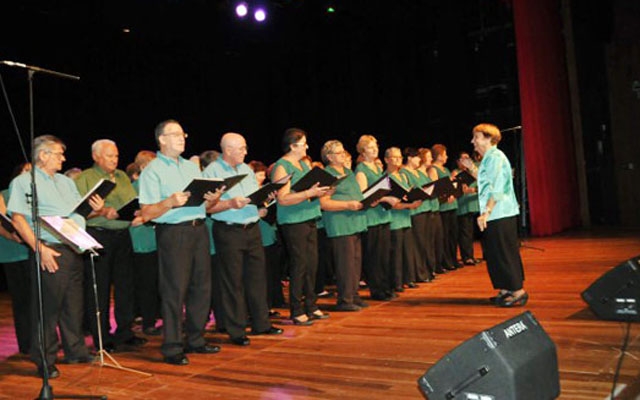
column 259, row 197
column 397, row 191
column 416, row 194
column 127, row 212
column 200, row 186
column 6, row 223
column 376, row 191
column 443, row 188
column 102, row 188
column 465, row 177
column 316, row 175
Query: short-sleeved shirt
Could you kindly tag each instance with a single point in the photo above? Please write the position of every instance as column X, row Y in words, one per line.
column 347, row 222
column 57, row 196
column 143, row 237
column 121, row 194
column 495, row 181
column 468, row 202
column 163, row 177
column 446, row 206
column 304, row 211
column 11, row 251
column 400, row 218
column 221, row 169
column 377, row 215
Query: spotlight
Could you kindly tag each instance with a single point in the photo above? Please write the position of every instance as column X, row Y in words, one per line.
column 260, row 14
column 242, row 9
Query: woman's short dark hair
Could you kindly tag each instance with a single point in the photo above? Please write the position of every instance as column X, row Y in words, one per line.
column 291, row 136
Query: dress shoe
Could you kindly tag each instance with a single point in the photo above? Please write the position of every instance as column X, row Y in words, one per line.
column 347, row 307
column 399, row 289
column 52, row 369
column 79, row 360
column 204, row 349
column 274, row 314
column 449, row 268
column 360, row 303
column 271, row 331
column 380, row 297
column 178, row 359
column 302, row 322
column 241, row 341
column 469, row 261
column 440, row 270
column 497, row 299
column 325, row 294
column 512, row 301
column 412, row 285
column 152, row 331
column 392, row 295
column 317, row 314
column 135, row 341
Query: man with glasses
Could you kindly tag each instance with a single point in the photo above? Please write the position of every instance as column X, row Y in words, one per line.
column 183, row 244
column 239, row 246
column 61, row 268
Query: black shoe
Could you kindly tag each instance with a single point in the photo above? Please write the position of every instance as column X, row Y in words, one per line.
column 271, row 331
column 178, row 359
column 52, row 369
column 392, row 295
column 380, row 297
column 79, row 360
column 204, row 349
column 152, row 331
column 317, row 314
column 450, row 268
column 241, row 341
column 469, row 261
column 440, row 270
column 298, row 321
column 360, row 303
column 135, row 341
column 347, row 307
column 412, row 285
column 274, row 314
column 512, row 301
column 399, row 289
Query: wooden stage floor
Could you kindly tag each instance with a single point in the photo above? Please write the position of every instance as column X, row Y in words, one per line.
column 380, row 352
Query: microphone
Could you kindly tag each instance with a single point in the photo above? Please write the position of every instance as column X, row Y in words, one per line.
column 38, row 69
column 514, row 128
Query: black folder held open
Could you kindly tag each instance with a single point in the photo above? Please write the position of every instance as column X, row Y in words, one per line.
column 102, row 188
column 316, row 175
column 200, row 186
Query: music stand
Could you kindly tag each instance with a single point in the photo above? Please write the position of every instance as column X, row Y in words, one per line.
column 80, row 241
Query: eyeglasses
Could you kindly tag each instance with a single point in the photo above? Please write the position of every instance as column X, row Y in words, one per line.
column 176, row 134
column 55, row 153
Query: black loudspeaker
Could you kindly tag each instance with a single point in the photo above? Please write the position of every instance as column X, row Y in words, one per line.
column 512, row 361
column 615, row 295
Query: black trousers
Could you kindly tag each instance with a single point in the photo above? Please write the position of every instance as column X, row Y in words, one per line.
column 185, row 283
column 19, row 284
column 402, row 257
column 449, row 237
column 273, row 256
column 114, row 267
column 62, row 303
column 501, row 248
column 243, row 277
column 418, row 229
column 301, row 241
column 376, row 255
column 147, row 296
column 326, row 270
column 347, row 260
column 465, row 235
column 431, row 224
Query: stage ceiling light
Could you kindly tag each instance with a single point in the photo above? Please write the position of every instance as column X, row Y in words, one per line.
column 260, row 14
column 242, row 9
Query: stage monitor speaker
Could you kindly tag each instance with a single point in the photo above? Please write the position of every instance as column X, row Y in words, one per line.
column 616, row 294
column 514, row 360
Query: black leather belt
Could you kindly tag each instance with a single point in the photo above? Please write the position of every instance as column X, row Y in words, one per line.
column 236, row 225
column 193, row 222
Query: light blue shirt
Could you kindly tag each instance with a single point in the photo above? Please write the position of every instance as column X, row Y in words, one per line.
column 221, row 169
column 57, row 196
column 495, row 181
column 161, row 178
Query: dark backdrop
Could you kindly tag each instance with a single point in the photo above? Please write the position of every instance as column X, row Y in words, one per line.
column 412, row 73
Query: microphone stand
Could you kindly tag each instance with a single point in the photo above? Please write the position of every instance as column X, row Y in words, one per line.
column 46, row 391
column 523, row 185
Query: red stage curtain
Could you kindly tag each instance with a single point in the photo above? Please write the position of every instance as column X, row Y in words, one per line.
column 546, row 118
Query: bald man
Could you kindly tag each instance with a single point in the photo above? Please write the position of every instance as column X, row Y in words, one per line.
column 238, row 241
column 114, row 267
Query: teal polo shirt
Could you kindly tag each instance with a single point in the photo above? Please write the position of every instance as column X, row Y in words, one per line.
column 57, row 196
column 495, row 181
column 164, row 176
column 221, row 169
